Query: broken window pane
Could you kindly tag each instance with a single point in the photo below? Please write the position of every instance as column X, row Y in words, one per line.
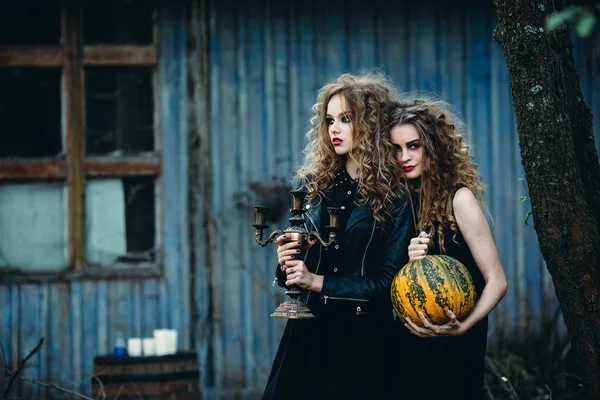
column 30, row 22
column 120, row 221
column 118, row 22
column 30, row 111
column 119, row 110
column 33, row 232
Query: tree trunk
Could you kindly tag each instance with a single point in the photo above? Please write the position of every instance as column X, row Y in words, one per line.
column 561, row 166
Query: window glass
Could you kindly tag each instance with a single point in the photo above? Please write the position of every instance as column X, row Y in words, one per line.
column 120, row 220
column 33, row 232
column 30, row 22
column 30, row 111
column 120, row 109
column 118, row 22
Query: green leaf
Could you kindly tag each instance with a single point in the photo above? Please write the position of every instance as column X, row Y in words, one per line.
column 523, row 198
column 556, row 20
column 529, row 214
column 585, row 23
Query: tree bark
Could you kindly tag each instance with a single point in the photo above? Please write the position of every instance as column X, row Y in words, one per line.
column 561, row 166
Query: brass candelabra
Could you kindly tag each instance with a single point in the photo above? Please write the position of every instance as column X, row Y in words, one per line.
column 293, row 308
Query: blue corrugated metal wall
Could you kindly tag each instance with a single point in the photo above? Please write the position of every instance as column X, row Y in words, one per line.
column 267, row 61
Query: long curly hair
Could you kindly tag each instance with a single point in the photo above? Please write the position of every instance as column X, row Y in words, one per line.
column 447, row 163
column 367, row 99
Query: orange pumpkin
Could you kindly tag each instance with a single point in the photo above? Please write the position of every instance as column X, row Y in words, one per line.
column 433, row 285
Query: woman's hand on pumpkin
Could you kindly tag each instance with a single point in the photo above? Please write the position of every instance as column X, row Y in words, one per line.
column 287, row 250
column 418, row 247
column 298, row 274
column 450, row 328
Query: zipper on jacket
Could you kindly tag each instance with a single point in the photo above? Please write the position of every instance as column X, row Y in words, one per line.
column 325, row 297
column 362, row 266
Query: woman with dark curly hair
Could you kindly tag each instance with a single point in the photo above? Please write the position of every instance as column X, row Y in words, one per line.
column 448, row 203
column 345, row 351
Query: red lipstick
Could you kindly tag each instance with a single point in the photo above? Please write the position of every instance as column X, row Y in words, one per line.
column 408, row 168
column 337, row 141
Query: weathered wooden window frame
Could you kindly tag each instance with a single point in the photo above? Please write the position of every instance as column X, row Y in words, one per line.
column 73, row 56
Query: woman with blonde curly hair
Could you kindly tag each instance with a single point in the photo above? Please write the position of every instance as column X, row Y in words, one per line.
column 447, row 197
column 345, row 351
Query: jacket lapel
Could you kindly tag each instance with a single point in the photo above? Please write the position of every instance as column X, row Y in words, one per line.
column 360, row 212
column 312, row 212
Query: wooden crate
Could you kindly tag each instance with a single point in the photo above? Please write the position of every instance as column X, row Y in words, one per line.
column 167, row 377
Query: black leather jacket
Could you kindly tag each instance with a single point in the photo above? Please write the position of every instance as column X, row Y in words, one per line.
column 377, row 254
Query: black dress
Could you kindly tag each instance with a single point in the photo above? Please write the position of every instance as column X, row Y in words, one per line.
column 343, row 353
column 447, row 367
